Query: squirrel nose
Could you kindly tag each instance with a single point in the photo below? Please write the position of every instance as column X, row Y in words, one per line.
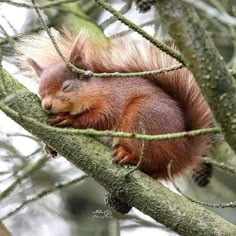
column 47, row 106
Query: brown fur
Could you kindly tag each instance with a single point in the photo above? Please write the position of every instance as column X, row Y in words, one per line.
column 165, row 103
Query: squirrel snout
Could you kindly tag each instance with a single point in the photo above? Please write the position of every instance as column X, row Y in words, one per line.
column 47, row 106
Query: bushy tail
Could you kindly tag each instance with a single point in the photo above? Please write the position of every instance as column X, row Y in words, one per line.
column 126, row 54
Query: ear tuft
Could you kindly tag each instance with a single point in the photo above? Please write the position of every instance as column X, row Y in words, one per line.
column 79, row 47
column 37, row 68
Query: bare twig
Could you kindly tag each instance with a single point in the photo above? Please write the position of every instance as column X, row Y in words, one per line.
column 29, row 169
column 20, row 135
column 145, row 35
column 213, row 12
column 9, row 24
column 9, row 39
column 141, row 152
column 47, row 5
column 112, row 19
column 90, row 73
column 221, row 165
column 223, row 205
column 109, row 133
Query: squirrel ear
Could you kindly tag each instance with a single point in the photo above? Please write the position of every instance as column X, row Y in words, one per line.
column 37, row 68
column 78, row 49
column 75, row 57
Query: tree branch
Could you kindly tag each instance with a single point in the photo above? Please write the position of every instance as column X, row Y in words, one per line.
column 137, row 189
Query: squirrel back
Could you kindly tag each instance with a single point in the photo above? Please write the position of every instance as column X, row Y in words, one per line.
column 174, row 97
column 127, row 54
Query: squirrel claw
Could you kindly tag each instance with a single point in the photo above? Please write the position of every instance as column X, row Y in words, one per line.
column 55, row 119
column 121, row 156
column 64, row 123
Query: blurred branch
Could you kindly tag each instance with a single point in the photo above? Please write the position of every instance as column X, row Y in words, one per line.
column 89, row 7
column 58, row 186
column 46, row 5
column 231, row 28
column 233, row 72
column 20, row 35
column 20, row 135
column 125, row 32
column 140, row 31
column 8, row 37
column 3, row 230
column 204, row 61
column 28, row 170
column 221, row 165
column 138, row 189
column 92, row 74
column 112, row 19
column 9, row 24
column 221, row 205
column 224, row 17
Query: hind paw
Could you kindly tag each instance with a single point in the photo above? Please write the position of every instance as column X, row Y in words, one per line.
column 122, row 156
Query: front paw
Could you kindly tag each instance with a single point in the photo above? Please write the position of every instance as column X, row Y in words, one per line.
column 122, row 156
column 61, row 119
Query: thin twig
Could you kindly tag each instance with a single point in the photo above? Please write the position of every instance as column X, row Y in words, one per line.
column 68, row 64
column 9, row 38
column 29, row 169
column 221, row 165
column 47, row 5
column 9, row 23
column 20, row 135
column 223, row 205
column 109, row 133
column 34, row 29
column 141, row 152
column 112, row 19
column 143, row 33
column 92, row 74
column 89, row 7
column 213, row 12
column 125, row 32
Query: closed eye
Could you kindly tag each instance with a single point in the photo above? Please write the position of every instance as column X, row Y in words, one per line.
column 67, row 86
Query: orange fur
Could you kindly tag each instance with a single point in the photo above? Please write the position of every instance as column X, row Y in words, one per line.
column 166, row 103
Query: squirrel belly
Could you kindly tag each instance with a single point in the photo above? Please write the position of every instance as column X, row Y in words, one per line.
column 158, row 104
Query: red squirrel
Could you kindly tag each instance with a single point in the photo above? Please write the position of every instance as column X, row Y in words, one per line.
column 164, row 103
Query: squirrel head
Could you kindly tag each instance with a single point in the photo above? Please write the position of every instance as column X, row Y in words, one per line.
column 60, row 89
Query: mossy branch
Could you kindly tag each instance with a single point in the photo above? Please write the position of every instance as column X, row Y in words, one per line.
column 138, row 190
column 204, row 61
